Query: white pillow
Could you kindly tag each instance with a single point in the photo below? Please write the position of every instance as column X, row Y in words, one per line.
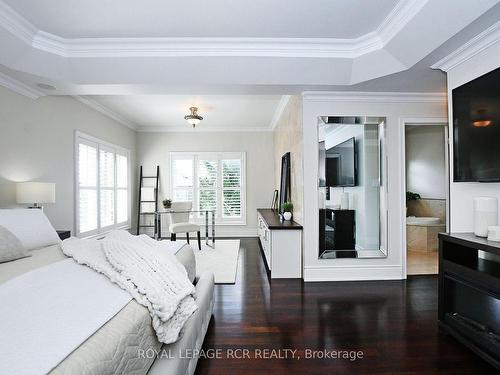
column 30, row 226
column 10, row 247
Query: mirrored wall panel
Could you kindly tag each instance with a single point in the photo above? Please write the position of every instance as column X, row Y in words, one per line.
column 352, row 187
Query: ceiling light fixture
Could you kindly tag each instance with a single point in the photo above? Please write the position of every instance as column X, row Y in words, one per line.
column 481, row 123
column 481, row 120
column 194, row 118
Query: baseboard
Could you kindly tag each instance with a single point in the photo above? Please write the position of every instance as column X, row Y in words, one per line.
column 236, row 232
column 353, row 273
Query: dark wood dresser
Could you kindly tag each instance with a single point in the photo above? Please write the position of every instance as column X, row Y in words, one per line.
column 469, row 293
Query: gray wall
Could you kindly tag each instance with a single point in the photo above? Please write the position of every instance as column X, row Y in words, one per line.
column 425, row 161
column 37, row 144
column 154, row 149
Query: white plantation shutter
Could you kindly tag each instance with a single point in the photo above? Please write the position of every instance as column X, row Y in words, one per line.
column 121, row 171
column 107, row 187
column 102, row 186
column 231, row 188
column 121, row 189
column 88, row 210
column 182, row 179
column 87, row 186
column 207, row 184
column 212, row 181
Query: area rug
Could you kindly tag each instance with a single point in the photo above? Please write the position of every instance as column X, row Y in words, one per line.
column 222, row 260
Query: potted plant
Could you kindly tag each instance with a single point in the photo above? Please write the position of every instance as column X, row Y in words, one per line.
column 287, row 210
column 167, row 203
column 411, row 196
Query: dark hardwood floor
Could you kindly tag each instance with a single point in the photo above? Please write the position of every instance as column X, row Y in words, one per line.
column 394, row 324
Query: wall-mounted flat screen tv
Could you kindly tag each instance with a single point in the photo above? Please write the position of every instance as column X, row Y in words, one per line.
column 476, row 130
column 340, row 164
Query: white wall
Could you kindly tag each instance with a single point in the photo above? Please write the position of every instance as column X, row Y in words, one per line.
column 37, row 143
column 396, row 108
column 425, row 161
column 462, row 193
column 153, row 149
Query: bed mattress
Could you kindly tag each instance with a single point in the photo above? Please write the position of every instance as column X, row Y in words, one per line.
column 115, row 348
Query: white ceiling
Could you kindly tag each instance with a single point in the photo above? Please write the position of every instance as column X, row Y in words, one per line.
column 118, row 47
column 202, row 18
column 124, row 56
column 166, row 112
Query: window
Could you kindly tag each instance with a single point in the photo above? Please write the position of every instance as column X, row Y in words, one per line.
column 212, row 181
column 102, row 186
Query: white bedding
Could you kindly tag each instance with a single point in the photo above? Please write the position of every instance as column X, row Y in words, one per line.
column 38, row 258
column 145, row 269
column 113, row 348
column 30, row 226
column 50, row 311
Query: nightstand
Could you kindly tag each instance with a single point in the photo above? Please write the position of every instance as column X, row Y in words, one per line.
column 63, row 234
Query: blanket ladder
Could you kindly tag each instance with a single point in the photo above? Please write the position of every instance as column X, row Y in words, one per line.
column 148, row 203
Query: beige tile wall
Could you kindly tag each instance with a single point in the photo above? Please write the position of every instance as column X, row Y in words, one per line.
column 428, row 208
column 288, row 138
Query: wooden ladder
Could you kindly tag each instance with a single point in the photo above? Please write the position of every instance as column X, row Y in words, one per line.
column 143, row 224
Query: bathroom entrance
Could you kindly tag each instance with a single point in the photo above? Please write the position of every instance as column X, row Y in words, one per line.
column 426, row 195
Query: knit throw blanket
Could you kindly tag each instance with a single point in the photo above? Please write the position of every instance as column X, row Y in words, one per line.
column 148, row 270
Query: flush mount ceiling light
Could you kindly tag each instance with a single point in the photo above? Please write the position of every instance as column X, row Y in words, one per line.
column 481, row 123
column 481, row 120
column 194, row 118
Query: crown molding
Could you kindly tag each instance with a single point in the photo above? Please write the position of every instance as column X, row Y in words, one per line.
column 106, row 111
column 210, row 47
column 479, row 43
column 19, row 87
column 201, row 129
column 398, row 18
column 16, row 24
column 402, row 13
column 374, row 97
column 279, row 111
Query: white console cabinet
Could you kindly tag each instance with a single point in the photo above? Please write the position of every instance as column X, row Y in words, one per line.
column 281, row 243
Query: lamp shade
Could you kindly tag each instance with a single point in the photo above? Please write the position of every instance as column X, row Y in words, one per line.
column 35, row 192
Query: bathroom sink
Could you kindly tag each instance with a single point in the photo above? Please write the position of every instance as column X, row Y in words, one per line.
column 412, row 220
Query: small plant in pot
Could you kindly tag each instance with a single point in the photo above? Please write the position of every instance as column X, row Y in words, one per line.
column 287, row 210
column 167, row 203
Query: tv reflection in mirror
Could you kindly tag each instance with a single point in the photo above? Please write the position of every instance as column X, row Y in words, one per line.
column 341, row 164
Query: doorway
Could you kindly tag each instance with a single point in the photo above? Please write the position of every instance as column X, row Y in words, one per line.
column 426, row 181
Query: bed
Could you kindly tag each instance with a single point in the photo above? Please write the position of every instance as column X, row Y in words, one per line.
column 126, row 343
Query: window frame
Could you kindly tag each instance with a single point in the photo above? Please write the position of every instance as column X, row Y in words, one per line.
column 100, row 144
column 195, row 156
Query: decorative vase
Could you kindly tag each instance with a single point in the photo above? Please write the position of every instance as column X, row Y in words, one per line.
column 287, row 215
column 485, row 215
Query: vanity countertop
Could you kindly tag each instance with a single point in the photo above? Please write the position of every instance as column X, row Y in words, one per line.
column 272, row 220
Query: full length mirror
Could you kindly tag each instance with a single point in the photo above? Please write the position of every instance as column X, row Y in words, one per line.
column 352, row 187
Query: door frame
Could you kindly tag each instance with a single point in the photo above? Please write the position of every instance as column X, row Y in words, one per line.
column 421, row 121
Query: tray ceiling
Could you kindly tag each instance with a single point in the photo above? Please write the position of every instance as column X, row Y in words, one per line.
column 118, row 47
column 198, row 18
column 166, row 112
